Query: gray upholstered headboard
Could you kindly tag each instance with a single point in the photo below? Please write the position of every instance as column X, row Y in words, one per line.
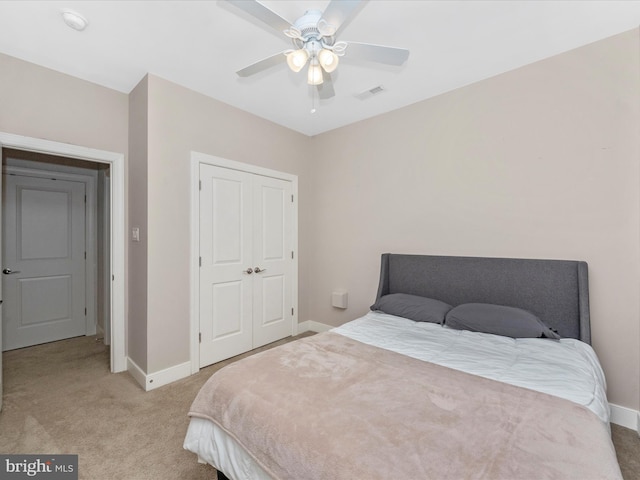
column 557, row 291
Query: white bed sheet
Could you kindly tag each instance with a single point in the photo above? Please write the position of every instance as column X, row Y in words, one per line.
column 566, row 368
column 216, row 447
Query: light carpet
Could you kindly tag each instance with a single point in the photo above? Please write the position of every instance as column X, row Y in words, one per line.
column 60, row 398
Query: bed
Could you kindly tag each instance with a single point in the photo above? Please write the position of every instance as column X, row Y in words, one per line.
column 465, row 368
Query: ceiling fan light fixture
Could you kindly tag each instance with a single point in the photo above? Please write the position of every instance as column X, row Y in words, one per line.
column 297, row 59
column 315, row 44
column 328, row 60
column 314, row 75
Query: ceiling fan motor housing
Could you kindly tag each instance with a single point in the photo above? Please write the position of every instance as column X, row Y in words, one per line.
column 308, row 24
column 313, row 27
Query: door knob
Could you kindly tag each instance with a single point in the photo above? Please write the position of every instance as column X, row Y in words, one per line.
column 248, row 271
column 8, row 271
column 258, row 270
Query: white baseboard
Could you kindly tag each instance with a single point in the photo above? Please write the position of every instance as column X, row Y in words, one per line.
column 136, row 372
column 625, row 417
column 313, row 326
column 158, row 379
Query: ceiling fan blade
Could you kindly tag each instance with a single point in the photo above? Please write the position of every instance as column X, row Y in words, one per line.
column 262, row 13
column 261, row 65
column 325, row 89
column 339, row 11
column 377, row 53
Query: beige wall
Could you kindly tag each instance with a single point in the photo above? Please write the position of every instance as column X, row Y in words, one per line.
column 42, row 103
column 181, row 121
column 137, row 208
column 540, row 162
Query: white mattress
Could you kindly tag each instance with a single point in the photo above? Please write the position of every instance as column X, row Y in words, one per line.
column 566, row 368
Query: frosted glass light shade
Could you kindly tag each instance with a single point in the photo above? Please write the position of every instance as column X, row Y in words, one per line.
column 328, row 60
column 297, row 59
column 314, row 76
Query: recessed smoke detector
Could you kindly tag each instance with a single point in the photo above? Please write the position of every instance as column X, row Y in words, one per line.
column 74, row 20
column 370, row 92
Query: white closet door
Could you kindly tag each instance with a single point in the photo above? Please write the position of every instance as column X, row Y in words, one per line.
column 273, row 212
column 44, row 261
column 226, row 253
column 246, row 223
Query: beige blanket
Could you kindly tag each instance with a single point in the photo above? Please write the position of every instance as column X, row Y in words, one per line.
column 328, row 407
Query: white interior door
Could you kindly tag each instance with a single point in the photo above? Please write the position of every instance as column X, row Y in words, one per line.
column 44, row 260
column 225, row 263
column 272, row 237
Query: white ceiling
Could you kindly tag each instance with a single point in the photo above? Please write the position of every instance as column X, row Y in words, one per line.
column 201, row 44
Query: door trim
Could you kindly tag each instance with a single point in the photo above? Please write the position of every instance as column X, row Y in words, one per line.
column 198, row 158
column 116, row 162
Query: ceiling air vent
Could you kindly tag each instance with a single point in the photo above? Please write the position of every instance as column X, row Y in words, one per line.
column 370, row 92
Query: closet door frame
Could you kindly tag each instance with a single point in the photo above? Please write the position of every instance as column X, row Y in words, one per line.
column 197, row 159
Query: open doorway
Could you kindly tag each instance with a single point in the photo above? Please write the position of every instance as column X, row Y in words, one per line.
column 56, row 248
column 115, row 161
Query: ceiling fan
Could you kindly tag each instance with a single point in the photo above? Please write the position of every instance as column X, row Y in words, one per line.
column 314, row 38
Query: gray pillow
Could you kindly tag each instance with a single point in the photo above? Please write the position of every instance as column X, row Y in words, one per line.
column 499, row 320
column 420, row 309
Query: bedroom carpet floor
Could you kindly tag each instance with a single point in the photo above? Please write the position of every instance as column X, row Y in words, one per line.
column 61, row 398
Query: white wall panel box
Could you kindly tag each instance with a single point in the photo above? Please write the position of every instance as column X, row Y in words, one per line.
column 339, row 298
